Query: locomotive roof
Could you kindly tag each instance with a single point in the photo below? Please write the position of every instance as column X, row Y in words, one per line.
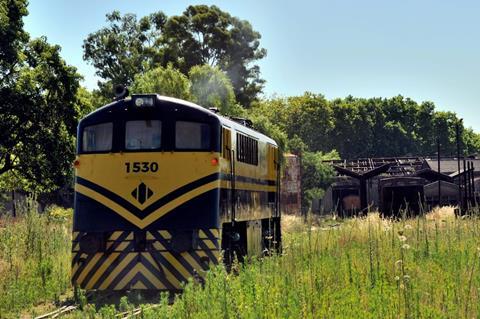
column 174, row 101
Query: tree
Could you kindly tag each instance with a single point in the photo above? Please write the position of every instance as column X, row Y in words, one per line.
column 352, row 135
column 359, row 127
column 207, row 35
column 310, row 117
column 471, row 141
column 12, row 36
column 201, row 35
column 166, row 81
column 39, row 109
column 85, row 102
column 316, row 175
column 211, row 88
column 263, row 125
column 444, row 126
column 124, row 48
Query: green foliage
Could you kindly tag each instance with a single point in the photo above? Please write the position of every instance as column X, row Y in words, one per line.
column 34, row 257
column 310, row 117
column 165, row 81
column 297, row 146
column 12, row 36
column 263, row 125
column 471, row 140
column 85, row 102
column 374, row 127
column 39, row 109
column 125, row 47
column 207, row 35
column 206, row 86
column 211, row 88
column 102, row 96
column 201, row 35
column 316, row 175
column 313, row 193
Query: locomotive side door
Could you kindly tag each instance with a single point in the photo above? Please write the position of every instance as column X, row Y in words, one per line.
column 273, row 175
column 229, row 155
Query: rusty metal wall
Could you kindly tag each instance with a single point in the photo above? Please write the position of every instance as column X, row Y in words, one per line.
column 291, row 200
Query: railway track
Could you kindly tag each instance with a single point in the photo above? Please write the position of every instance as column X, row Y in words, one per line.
column 58, row 312
column 64, row 310
column 135, row 312
column 68, row 308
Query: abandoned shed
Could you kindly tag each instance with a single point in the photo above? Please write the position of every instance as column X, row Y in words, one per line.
column 401, row 195
column 449, row 194
column 393, row 185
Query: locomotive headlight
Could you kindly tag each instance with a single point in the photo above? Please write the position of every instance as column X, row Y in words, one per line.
column 235, row 236
column 143, row 101
column 139, row 102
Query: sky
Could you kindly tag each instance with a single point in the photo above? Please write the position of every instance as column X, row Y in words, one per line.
column 428, row 50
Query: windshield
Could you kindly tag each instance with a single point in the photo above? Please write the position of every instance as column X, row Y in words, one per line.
column 143, row 135
column 97, row 138
column 192, row 135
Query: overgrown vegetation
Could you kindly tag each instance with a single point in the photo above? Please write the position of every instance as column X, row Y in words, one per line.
column 363, row 268
column 358, row 268
column 34, row 257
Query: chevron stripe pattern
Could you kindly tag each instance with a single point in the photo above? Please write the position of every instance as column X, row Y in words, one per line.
column 157, row 267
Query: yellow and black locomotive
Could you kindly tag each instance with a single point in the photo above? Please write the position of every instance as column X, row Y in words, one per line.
column 163, row 189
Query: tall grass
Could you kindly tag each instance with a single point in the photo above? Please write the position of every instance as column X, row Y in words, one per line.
column 365, row 268
column 428, row 267
column 34, row 257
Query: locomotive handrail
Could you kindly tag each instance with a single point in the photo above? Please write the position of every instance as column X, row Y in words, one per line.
column 232, row 183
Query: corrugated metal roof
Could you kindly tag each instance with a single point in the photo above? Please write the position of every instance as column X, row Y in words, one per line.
column 448, row 166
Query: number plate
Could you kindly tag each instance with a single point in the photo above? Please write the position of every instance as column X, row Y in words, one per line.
column 141, row 167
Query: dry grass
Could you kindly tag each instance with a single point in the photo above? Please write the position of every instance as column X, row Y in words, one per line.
column 441, row 213
column 292, row 223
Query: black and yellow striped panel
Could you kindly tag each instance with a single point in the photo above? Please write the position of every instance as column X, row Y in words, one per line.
column 159, row 267
column 145, row 216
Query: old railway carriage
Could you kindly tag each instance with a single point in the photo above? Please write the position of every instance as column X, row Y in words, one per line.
column 162, row 187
